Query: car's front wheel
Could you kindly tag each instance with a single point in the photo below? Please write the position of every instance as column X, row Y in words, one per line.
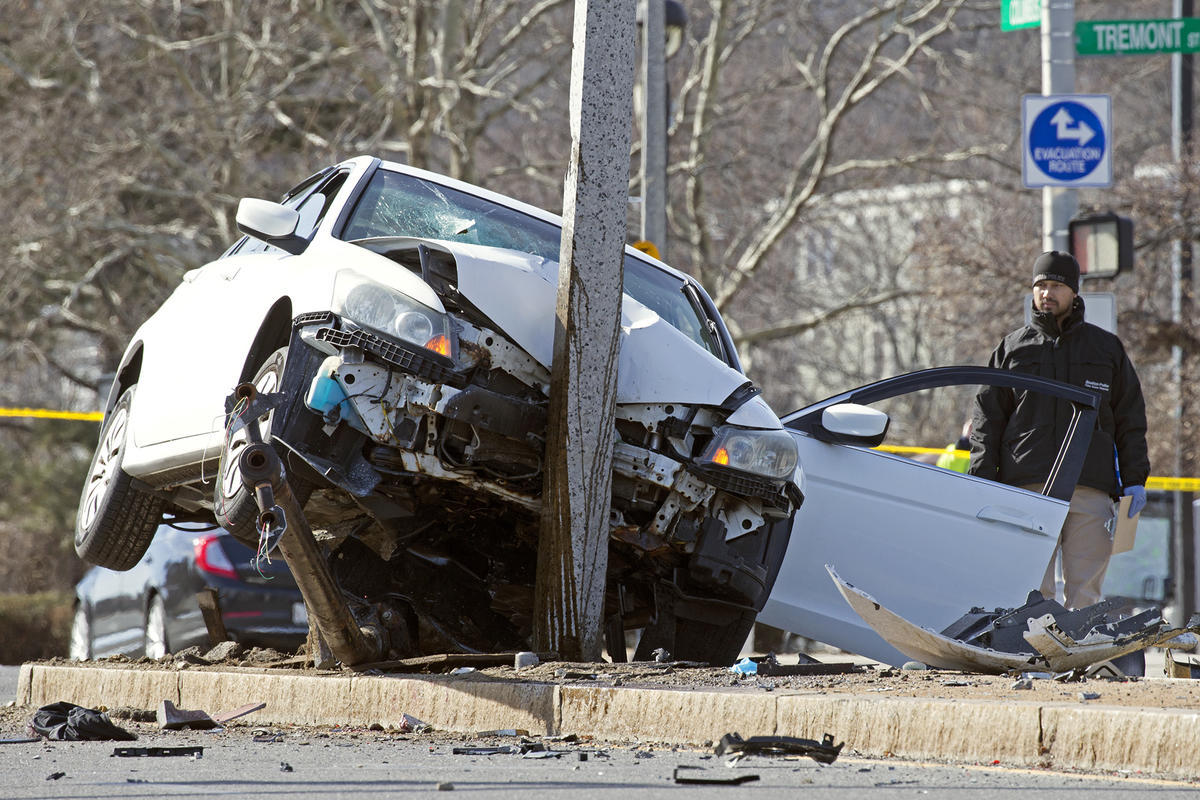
column 156, row 644
column 234, row 505
column 81, row 635
column 115, row 521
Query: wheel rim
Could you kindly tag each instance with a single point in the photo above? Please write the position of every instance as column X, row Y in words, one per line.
column 80, row 636
column 156, row 630
column 231, row 477
column 104, row 466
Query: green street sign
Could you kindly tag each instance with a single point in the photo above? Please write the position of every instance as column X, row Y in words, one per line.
column 1015, row 14
column 1137, row 37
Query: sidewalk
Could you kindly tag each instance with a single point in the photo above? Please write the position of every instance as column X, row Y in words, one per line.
column 942, row 715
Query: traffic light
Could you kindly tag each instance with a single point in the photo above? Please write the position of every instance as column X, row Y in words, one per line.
column 1101, row 243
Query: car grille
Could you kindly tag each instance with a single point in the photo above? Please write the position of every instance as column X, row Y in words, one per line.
column 744, row 485
column 394, row 353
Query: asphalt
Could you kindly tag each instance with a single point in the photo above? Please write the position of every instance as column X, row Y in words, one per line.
column 1058, row 735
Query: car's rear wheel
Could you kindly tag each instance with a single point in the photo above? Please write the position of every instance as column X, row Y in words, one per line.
column 81, row 635
column 234, row 505
column 115, row 521
column 156, row 644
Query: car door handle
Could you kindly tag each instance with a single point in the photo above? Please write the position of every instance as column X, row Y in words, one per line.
column 993, row 514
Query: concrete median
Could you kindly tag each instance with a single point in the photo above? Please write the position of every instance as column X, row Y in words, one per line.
column 1060, row 735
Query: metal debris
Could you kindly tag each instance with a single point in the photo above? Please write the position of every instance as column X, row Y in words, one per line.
column 1040, row 633
column 171, row 718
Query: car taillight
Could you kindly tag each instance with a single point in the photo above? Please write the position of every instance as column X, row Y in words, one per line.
column 211, row 558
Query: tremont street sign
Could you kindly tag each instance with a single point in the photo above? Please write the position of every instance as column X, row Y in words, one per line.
column 1137, row 37
column 1065, row 140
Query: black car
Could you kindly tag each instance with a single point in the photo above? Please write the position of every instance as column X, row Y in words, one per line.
column 153, row 608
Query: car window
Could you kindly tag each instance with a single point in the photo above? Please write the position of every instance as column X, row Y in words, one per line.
column 395, row 204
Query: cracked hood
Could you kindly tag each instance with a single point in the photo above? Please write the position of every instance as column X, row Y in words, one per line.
column 658, row 363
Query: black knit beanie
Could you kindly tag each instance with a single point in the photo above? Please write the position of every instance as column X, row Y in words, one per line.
column 1057, row 266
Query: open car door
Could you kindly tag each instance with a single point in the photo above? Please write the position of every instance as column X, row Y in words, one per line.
column 928, row 543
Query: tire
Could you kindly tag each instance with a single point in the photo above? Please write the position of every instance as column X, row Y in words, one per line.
column 81, row 635
column 155, row 643
column 115, row 521
column 233, row 504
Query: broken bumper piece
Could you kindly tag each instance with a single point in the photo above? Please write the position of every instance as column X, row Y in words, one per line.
column 1038, row 635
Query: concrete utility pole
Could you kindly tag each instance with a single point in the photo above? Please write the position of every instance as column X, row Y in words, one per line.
column 654, row 125
column 1058, row 77
column 577, row 495
column 1184, row 551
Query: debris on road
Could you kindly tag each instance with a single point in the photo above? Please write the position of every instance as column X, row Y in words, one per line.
column 171, row 718
column 1040, row 633
column 226, row 716
column 824, row 751
column 158, row 752
column 687, row 774
column 68, row 722
column 410, row 724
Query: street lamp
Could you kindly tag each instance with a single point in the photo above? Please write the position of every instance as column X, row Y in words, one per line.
column 662, row 23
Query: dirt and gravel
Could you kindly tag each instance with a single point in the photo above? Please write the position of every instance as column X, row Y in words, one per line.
column 1153, row 691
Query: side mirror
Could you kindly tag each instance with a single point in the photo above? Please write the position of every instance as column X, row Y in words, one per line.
column 850, row 423
column 271, row 222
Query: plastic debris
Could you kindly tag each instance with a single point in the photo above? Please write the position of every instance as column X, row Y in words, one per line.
column 661, row 654
column 687, row 774
column 824, row 751
column 1022, row 683
column 286, row 767
column 505, row 732
column 68, row 722
column 445, row 786
column 157, row 752
column 913, row 666
column 1085, row 696
column 53, row 776
column 525, row 659
column 746, row 666
column 462, row 671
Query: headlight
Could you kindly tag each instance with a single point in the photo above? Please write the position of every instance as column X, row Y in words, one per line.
column 375, row 306
column 771, row 454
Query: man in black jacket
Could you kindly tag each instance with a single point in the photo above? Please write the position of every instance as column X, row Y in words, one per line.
column 1017, row 434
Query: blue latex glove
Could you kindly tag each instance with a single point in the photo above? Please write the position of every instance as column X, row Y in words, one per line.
column 1138, row 493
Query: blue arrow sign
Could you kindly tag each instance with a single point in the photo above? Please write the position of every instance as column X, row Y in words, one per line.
column 1066, row 141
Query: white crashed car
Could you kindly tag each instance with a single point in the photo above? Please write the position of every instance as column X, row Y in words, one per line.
column 408, row 319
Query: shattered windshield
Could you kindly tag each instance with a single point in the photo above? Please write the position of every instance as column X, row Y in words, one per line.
column 395, row 204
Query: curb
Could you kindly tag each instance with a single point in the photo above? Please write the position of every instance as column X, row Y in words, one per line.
column 1026, row 734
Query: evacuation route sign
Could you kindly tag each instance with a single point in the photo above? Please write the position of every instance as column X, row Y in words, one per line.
column 1066, row 140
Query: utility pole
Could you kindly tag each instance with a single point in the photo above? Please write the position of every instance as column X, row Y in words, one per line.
column 1059, row 205
column 1184, row 545
column 654, row 125
column 577, row 490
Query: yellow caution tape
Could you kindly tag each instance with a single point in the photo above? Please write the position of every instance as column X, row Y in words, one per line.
column 1160, row 483
column 45, row 413
column 1154, row 482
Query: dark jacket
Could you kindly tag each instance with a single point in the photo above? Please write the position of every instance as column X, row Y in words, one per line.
column 1016, row 435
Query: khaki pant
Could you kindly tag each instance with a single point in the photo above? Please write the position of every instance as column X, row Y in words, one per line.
column 1086, row 546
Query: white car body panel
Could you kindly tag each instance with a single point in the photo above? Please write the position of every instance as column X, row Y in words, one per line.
column 930, row 543
column 1056, row 650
